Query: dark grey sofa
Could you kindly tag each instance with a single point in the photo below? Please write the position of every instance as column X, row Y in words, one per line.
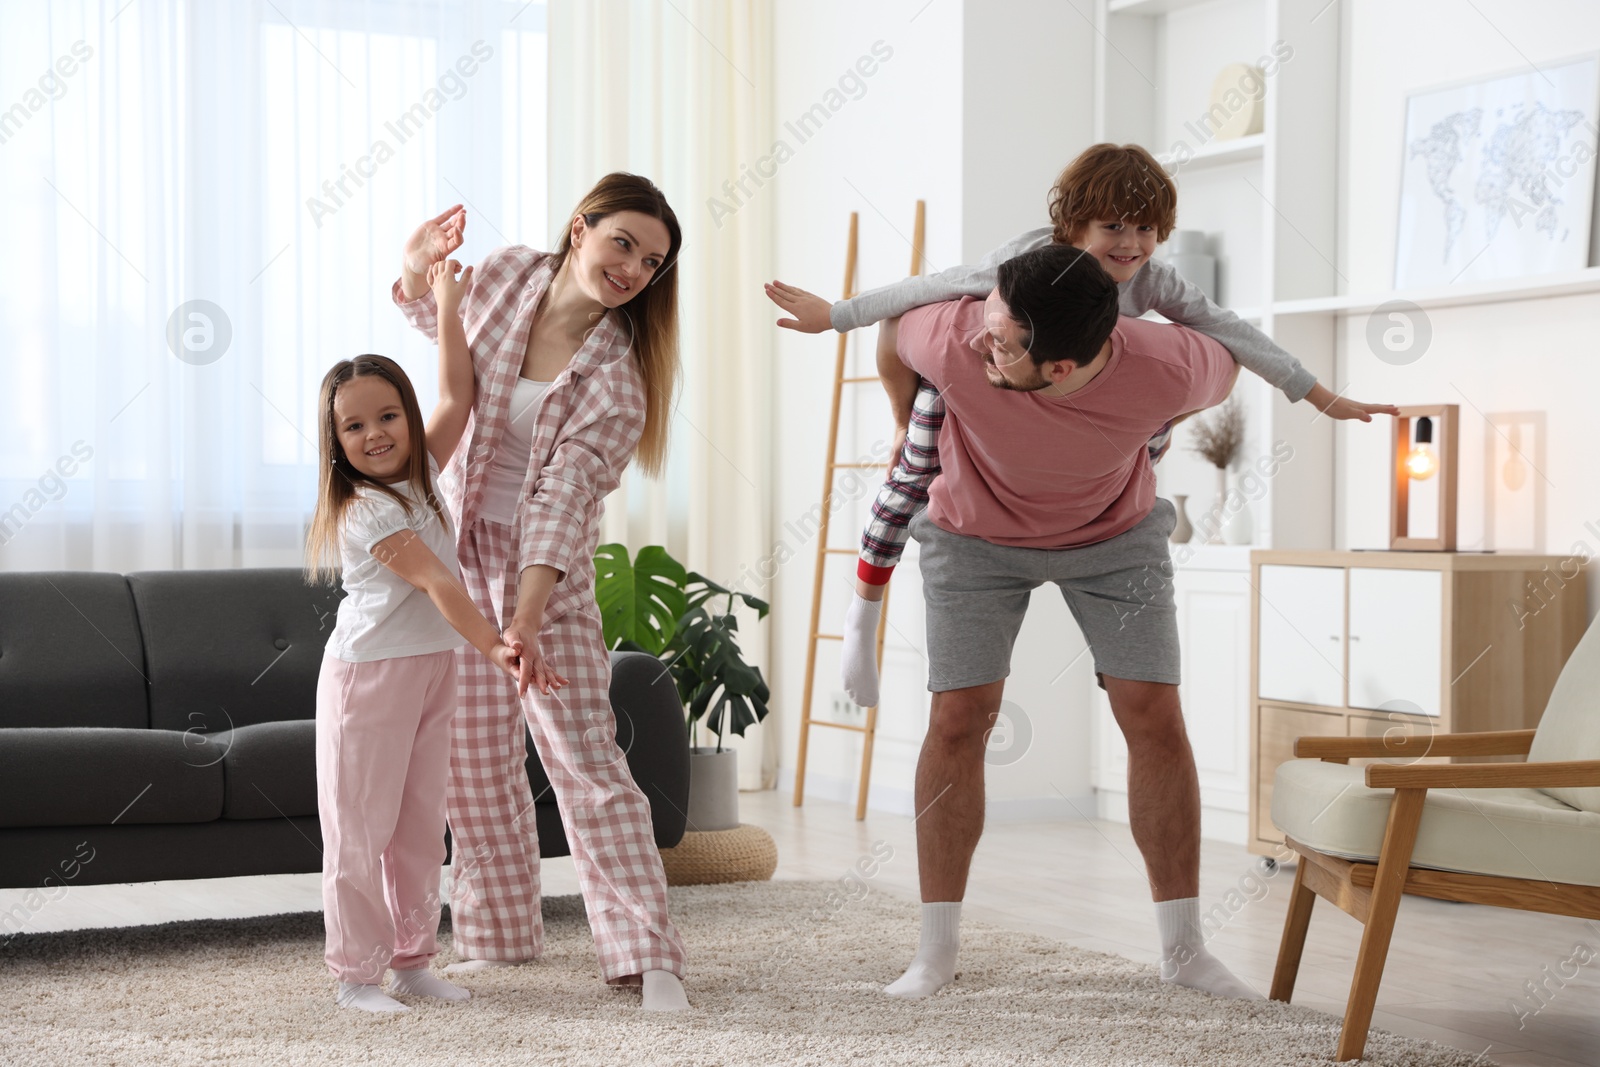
column 161, row 725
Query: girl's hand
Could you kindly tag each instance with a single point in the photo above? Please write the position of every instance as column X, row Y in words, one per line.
column 448, row 289
column 531, row 668
column 810, row 311
column 435, row 239
column 507, row 660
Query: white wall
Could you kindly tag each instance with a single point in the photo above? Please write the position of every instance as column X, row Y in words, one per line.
column 977, row 110
column 1533, row 357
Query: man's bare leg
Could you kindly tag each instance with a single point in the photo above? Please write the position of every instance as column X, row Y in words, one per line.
column 949, row 798
column 1164, row 815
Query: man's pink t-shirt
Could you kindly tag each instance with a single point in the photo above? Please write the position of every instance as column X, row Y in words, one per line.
column 1033, row 471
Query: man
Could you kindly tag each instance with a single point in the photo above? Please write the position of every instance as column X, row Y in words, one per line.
column 1051, row 400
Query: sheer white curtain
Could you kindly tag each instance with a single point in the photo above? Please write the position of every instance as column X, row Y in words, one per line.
column 680, row 91
column 205, row 204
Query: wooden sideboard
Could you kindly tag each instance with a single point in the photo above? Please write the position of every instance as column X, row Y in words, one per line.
column 1350, row 644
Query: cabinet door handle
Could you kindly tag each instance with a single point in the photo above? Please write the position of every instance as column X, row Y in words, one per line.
column 1355, row 637
column 1333, row 637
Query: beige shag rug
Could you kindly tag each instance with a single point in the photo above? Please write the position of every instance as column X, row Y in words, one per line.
column 780, row 973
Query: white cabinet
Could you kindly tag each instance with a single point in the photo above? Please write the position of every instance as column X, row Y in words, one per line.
column 1431, row 642
column 1395, row 628
column 1302, row 635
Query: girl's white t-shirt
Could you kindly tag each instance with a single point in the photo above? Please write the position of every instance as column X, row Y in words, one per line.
column 382, row 615
column 508, row 467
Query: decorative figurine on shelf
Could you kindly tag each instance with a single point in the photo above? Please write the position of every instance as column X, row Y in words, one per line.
column 1239, row 96
column 1217, row 438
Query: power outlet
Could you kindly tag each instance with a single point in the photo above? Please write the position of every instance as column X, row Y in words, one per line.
column 842, row 706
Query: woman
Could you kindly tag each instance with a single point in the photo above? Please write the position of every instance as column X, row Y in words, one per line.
column 575, row 360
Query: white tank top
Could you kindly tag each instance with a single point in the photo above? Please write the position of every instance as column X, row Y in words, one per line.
column 509, row 464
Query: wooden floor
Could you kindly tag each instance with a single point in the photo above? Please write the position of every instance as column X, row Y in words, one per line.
column 1455, row 970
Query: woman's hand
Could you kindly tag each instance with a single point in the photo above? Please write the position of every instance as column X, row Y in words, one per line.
column 810, row 311
column 431, row 242
column 523, row 639
column 449, row 289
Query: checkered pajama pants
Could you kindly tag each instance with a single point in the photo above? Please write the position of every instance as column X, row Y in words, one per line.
column 494, row 900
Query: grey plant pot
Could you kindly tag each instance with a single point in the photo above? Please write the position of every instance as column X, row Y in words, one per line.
column 713, row 789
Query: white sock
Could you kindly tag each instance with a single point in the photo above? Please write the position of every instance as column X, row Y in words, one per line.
column 663, row 991
column 934, row 966
column 366, row 998
column 1186, row 961
column 468, row 966
column 421, row 982
column 858, row 665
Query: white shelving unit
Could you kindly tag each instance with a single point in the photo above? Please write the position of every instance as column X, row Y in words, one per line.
column 1269, row 204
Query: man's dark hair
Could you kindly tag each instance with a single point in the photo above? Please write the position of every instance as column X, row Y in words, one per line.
column 1064, row 301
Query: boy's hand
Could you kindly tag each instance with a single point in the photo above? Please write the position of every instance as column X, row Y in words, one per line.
column 448, row 289
column 810, row 311
column 435, row 239
column 1337, row 407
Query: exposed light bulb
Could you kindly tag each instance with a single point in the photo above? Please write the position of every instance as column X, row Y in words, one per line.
column 1422, row 464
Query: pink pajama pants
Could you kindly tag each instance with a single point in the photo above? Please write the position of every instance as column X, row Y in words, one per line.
column 494, row 902
column 383, row 753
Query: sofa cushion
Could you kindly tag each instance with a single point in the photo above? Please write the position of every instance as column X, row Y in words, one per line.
column 269, row 770
column 70, row 651
column 1514, row 833
column 92, row 776
column 231, row 648
column 1569, row 729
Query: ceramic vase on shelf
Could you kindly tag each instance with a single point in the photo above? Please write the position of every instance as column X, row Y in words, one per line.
column 1184, row 529
column 1239, row 526
column 1218, row 513
column 1186, row 251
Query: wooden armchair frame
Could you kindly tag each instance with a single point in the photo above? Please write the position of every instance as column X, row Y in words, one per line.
column 1371, row 892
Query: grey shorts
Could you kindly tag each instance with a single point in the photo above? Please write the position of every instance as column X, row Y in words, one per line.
column 1119, row 590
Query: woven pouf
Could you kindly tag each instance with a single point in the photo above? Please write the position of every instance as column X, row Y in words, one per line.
column 744, row 854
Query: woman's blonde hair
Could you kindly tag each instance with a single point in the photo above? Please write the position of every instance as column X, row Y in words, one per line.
column 652, row 316
column 339, row 479
column 1106, row 182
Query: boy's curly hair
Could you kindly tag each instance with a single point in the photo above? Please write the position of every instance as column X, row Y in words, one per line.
column 1110, row 181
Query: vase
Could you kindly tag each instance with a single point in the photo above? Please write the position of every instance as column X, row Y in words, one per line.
column 1188, row 256
column 1219, row 510
column 1239, row 526
column 713, row 789
column 1183, row 529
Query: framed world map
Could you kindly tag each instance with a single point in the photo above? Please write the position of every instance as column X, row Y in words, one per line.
column 1497, row 176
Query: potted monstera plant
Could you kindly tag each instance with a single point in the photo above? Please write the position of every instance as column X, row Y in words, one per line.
column 652, row 604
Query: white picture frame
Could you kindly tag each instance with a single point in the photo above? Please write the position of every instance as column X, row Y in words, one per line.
column 1498, row 176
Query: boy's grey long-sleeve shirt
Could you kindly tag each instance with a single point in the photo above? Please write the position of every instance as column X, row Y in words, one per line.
column 1156, row 287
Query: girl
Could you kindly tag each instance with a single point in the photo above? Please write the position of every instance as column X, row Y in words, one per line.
column 387, row 689
column 575, row 355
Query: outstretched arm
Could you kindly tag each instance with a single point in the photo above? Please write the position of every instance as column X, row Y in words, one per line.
column 813, row 314
column 1160, row 288
column 457, row 384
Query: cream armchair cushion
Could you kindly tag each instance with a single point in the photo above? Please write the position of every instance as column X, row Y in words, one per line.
column 1570, row 726
column 1514, row 833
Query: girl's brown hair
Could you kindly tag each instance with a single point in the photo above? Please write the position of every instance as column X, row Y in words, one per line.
column 1110, row 181
column 337, row 484
column 652, row 316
